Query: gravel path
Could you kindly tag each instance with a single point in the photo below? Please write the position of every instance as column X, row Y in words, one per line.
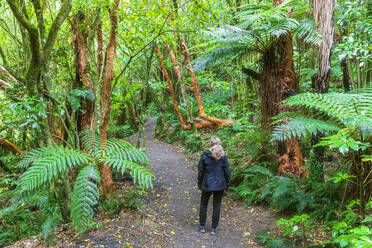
column 172, row 207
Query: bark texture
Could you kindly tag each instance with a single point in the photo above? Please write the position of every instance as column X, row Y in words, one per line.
column 170, row 87
column 323, row 16
column 82, row 67
column 278, row 81
column 108, row 76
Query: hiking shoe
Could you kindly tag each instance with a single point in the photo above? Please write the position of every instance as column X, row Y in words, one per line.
column 201, row 228
column 213, row 231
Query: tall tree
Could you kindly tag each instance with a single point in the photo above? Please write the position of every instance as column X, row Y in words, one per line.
column 39, row 45
column 323, row 16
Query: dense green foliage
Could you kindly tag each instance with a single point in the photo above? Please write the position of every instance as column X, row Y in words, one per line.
column 68, row 102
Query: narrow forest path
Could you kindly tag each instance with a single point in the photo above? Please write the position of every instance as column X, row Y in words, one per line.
column 169, row 215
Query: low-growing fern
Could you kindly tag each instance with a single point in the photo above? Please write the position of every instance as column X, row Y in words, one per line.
column 260, row 185
column 50, row 167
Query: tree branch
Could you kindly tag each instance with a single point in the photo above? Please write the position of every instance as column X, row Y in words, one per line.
column 39, row 17
column 6, row 73
column 10, row 146
column 31, row 29
column 7, row 29
column 4, row 84
column 53, row 32
column 2, row 54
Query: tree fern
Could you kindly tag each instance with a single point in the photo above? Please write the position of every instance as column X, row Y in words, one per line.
column 47, row 164
column 31, row 156
column 90, row 141
column 46, row 169
column 140, row 175
column 84, row 196
column 339, row 106
column 300, row 127
column 345, row 109
column 52, row 221
column 259, row 26
column 121, row 149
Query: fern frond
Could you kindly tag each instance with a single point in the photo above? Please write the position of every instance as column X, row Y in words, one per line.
column 50, row 224
column 113, row 146
column 221, row 54
column 285, row 186
column 84, row 196
column 306, row 31
column 90, row 141
column 140, row 174
column 260, row 170
column 31, row 156
column 133, row 155
column 339, row 106
column 364, row 90
column 45, row 170
column 300, row 127
column 121, row 149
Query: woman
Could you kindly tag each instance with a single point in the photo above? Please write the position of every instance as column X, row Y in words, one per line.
column 213, row 178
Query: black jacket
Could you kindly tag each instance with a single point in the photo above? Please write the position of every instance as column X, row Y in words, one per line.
column 213, row 175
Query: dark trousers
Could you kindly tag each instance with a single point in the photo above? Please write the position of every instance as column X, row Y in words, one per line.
column 217, row 197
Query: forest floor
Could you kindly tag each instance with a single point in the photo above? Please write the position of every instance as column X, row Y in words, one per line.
column 169, row 214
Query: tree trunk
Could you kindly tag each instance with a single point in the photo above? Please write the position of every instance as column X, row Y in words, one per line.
column 106, row 175
column 82, row 70
column 170, row 87
column 278, row 81
column 323, row 16
column 345, row 75
column 181, row 82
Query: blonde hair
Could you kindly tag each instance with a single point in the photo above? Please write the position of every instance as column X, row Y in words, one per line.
column 216, row 148
column 215, row 141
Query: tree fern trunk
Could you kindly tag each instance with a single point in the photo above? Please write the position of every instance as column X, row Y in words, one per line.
column 278, row 81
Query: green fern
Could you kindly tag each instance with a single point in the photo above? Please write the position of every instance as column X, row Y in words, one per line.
column 339, row 106
column 261, row 186
column 121, row 149
column 300, row 127
column 47, row 164
column 259, row 28
column 47, row 169
column 140, row 175
column 31, row 156
column 337, row 110
column 52, row 221
column 90, row 141
column 84, row 196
